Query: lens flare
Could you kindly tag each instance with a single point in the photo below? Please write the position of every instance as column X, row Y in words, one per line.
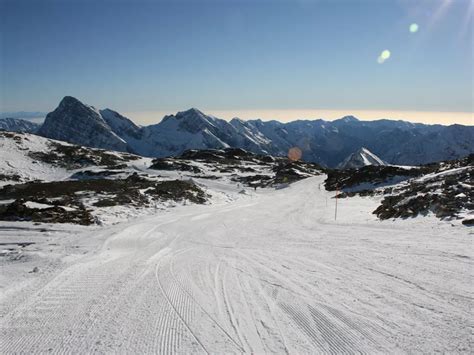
column 383, row 56
column 414, row 28
column 294, row 154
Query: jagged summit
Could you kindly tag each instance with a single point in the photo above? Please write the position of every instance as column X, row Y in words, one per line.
column 74, row 122
column 70, row 100
column 190, row 114
column 347, row 119
column 191, row 111
column 362, row 157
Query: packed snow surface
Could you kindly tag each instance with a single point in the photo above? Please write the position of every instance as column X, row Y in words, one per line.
column 266, row 271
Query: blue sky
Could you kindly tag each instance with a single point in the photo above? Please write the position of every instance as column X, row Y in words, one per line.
column 235, row 56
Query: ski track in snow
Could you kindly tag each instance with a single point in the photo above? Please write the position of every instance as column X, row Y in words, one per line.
column 271, row 273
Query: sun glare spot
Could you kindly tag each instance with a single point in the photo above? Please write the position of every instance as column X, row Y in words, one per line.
column 383, row 56
column 414, row 28
column 294, row 154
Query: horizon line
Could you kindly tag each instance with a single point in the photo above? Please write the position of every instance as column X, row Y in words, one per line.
column 288, row 115
column 146, row 117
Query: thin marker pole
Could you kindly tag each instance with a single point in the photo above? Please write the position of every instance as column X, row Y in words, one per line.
column 335, row 212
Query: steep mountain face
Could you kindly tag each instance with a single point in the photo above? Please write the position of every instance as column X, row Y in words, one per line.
column 186, row 130
column 360, row 158
column 323, row 142
column 18, row 125
column 123, row 127
column 74, row 122
column 192, row 129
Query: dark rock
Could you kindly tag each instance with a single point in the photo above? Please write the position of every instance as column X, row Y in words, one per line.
column 468, row 222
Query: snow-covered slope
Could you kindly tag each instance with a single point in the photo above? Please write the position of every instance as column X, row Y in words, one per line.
column 360, row 158
column 221, row 251
column 269, row 272
column 18, row 125
column 18, row 163
column 29, row 157
column 74, row 122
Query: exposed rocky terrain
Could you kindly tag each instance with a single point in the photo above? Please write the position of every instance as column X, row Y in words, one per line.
column 72, row 201
column 54, row 182
column 445, row 188
column 51, row 181
column 251, row 169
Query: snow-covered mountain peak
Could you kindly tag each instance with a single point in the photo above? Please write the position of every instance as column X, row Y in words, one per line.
column 194, row 120
column 69, row 100
column 74, row 122
column 192, row 113
column 347, row 119
column 324, row 142
column 193, row 110
column 365, row 151
column 362, row 157
column 71, row 103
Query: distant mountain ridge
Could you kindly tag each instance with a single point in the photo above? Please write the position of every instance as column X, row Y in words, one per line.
column 324, row 142
column 23, row 115
column 18, row 125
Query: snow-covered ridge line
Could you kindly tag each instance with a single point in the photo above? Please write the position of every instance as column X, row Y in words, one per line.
column 323, row 142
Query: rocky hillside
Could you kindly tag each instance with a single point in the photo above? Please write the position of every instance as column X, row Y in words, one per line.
column 50, row 181
column 444, row 189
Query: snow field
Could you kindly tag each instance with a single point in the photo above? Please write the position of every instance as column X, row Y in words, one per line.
column 267, row 272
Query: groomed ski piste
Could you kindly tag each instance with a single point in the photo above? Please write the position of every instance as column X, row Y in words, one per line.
column 266, row 271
